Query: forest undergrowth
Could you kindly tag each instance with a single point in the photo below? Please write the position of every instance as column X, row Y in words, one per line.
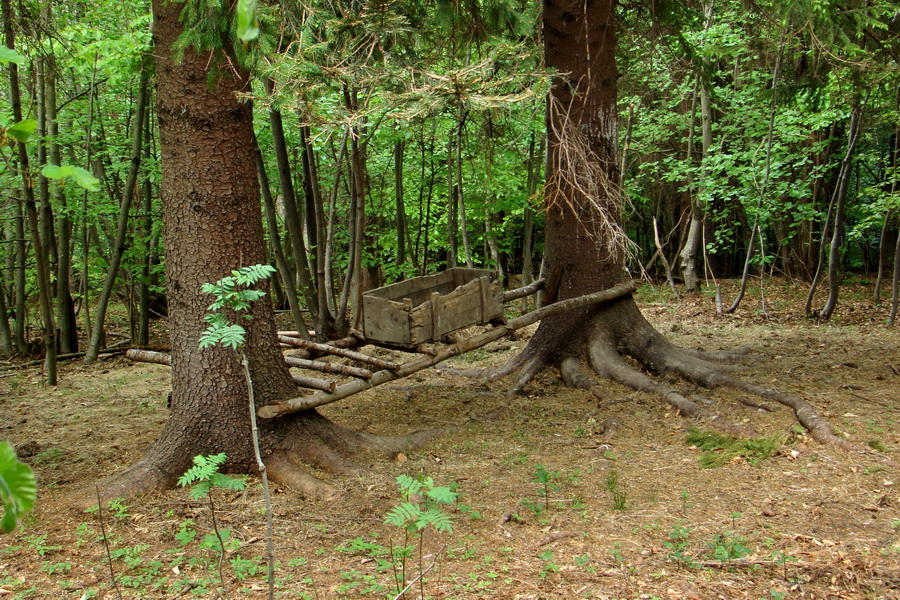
column 538, row 499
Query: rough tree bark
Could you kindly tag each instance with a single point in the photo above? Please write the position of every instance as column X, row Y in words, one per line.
column 585, row 245
column 211, row 213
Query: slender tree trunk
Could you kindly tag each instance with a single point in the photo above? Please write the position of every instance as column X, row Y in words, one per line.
column 65, row 305
column 292, row 219
column 41, row 255
column 359, row 226
column 6, row 339
column 149, row 242
column 128, row 195
column 882, row 248
column 399, row 204
column 837, row 238
column 329, row 227
column 693, row 244
column 463, row 227
column 452, row 208
column 290, row 291
column 19, row 277
column 895, row 287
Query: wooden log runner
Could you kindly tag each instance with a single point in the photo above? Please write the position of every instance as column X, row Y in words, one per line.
column 329, row 349
column 523, row 291
column 302, row 403
column 324, row 367
column 162, row 358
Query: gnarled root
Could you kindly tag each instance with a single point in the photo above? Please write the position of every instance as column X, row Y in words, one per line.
column 306, row 438
column 614, row 331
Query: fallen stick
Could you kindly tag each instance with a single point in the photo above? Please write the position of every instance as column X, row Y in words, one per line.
column 314, row 383
column 301, row 403
column 315, row 365
column 329, row 349
column 114, row 349
column 521, row 292
column 161, row 358
column 149, row 356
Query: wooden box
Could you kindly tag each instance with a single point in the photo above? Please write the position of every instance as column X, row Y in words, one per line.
column 424, row 309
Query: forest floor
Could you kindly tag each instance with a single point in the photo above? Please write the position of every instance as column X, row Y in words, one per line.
column 548, row 507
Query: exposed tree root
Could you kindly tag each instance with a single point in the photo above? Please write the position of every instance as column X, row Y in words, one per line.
column 306, row 438
column 605, row 337
column 282, row 469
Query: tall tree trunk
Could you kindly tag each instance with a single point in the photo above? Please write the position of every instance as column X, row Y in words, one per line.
column 290, row 290
column 452, row 206
column 293, row 222
column 210, row 196
column 463, row 227
column 128, row 195
column 42, row 265
column 837, row 238
column 693, row 245
column 895, row 285
column 65, row 305
column 19, row 277
column 399, row 204
column 149, row 242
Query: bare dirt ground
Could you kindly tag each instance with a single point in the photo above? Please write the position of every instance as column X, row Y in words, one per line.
column 634, row 515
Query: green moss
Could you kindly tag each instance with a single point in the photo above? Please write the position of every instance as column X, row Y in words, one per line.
column 719, row 449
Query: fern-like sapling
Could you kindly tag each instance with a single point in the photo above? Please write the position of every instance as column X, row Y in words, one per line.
column 203, row 478
column 421, row 508
column 234, row 295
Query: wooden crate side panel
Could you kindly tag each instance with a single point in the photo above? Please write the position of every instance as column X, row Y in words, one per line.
column 463, row 275
column 416, row 287
column 474, row 303
column 386, row 320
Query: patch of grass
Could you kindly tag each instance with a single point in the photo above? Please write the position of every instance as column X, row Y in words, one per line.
column 877, row 445
column 618, row 496
column 719, row 449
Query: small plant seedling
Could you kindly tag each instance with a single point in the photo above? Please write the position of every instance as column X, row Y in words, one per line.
column 549, row 565
column 203, row 478
column 547, row 480
column 678, row 545
column 618, row 496
column 421, row 509
column 728, row 546
column 234, row 295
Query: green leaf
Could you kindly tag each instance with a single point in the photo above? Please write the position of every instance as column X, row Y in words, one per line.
column 247, row 25
column 442, row 495
column 8, row 55
column 57, row 172
column 18, row 488
column 23, row 130
column 87, row 181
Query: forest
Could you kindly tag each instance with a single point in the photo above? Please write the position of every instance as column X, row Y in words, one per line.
column 218, row 183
